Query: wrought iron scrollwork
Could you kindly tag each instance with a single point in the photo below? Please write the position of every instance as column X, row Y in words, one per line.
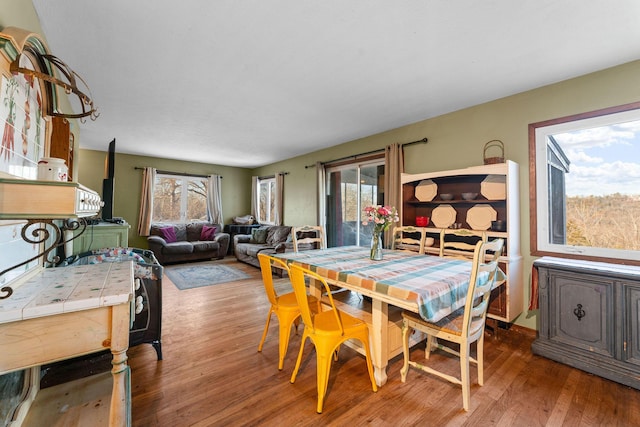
column 579, row 312
column 41, row 232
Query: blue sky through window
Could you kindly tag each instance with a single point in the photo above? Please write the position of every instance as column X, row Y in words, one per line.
column 604, row 160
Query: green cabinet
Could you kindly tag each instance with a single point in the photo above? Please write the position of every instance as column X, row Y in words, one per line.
column 96, row 236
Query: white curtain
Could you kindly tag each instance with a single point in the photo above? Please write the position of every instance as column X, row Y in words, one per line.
column 214, row 199
column 322, row 191
column 255, row 201
column 279, row 199
column 146, row 201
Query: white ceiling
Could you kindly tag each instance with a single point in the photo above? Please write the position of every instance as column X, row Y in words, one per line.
column 251, row 82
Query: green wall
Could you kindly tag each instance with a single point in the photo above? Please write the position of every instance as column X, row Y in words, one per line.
column 456, row 140
column 236, row 184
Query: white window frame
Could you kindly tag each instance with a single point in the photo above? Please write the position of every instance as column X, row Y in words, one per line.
column 539, row 134
column 270, row 183
column 185, row 179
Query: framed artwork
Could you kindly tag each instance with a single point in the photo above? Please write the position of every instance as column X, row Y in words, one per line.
column 22, row 123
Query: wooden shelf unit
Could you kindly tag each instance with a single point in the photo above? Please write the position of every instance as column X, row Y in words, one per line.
column 507, row 301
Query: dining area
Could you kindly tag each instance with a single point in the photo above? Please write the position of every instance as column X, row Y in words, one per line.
column 403, row 299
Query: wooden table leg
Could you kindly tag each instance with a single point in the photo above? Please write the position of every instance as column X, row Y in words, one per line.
column 120, row 413
column 379, row 340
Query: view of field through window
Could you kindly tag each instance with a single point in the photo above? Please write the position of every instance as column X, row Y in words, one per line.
column 602, row 186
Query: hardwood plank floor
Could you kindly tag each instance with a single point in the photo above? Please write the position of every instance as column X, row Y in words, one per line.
column 212, row 375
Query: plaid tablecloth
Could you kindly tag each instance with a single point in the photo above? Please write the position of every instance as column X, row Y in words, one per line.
column 437, row 285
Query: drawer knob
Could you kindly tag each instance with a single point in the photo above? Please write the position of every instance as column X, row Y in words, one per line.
column 579, row 312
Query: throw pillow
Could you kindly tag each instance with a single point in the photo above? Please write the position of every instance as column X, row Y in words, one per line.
column 258, row 235
column 169, row 234
column 208, row 233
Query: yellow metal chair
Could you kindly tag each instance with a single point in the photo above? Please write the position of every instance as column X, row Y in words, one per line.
column 406, row 238
column 464, row 327
column 284, row 306
column 305, row 234
column 327, row 330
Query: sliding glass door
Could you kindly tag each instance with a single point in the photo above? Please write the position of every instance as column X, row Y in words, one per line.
column 349, row 188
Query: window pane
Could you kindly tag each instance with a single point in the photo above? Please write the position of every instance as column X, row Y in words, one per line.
column 603, row 186
column 166, row 200
column 179, row 199
column 267, row 193
column 197, row 200
column 587, row 180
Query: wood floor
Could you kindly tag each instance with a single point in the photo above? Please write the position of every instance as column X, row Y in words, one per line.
column 212, row 375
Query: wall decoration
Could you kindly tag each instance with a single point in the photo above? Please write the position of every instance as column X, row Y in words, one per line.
column 22, row 124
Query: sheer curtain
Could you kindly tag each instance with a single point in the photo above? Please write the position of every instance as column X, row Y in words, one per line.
column 279, row 199
column 322, row 191
column 146, row 201
column 214, row 199
column 255, row 198
column 393, row 168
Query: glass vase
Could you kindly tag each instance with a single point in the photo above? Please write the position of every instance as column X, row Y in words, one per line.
column 376, row 245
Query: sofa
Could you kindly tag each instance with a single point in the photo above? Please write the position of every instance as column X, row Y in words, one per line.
column 267, row 239
column 194, row 241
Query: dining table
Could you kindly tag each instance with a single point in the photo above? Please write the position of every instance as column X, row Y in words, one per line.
column 430, row 285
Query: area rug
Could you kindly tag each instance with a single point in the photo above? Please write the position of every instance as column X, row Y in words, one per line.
column 202, row 274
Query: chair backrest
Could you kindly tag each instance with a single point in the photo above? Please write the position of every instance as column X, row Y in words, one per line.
column 297, row 275
column 313, row 234
column 459, row 243
column 481, row 281
column 410, row 238
column 266, row 264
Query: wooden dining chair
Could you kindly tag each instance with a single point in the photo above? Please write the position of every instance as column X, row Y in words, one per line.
column 310, row 234
column 463, row 327
column 460, row 242
column 326, row 330
column 409, row 238
column 284, row 306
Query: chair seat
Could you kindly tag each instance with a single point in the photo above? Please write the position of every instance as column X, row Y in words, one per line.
column 325, row 323
column 452, row 324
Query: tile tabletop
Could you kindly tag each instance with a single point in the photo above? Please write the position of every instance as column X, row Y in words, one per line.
column 66, row 289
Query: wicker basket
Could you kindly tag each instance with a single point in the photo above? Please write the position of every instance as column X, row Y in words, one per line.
column 492, row 160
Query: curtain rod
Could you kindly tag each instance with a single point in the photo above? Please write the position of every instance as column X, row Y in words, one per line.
column 355, row 156
column 273, row 176
column 175, row 173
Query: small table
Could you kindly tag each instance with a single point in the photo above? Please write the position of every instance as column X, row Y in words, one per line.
column 59, row 313
column 432, row 286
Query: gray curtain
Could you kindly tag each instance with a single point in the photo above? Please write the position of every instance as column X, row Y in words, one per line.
column 214, row 199
column 146, row 201
column 393, row 168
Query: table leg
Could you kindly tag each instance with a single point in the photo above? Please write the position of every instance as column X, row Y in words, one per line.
column 120, row 412
column 379, row 335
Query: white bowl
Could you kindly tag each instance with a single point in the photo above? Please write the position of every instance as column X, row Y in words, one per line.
column 469, row 196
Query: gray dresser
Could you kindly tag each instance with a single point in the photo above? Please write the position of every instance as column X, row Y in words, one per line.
column 590, row 317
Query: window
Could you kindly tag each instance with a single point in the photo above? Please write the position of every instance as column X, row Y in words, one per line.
column 585, row 177
column 267, row 200
column 349, row 188
column 178, row 198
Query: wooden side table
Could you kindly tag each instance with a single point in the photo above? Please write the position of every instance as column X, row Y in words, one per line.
column 59, row 313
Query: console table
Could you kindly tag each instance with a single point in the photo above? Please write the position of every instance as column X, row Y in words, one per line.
column 59, row 313
column 590, row 317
